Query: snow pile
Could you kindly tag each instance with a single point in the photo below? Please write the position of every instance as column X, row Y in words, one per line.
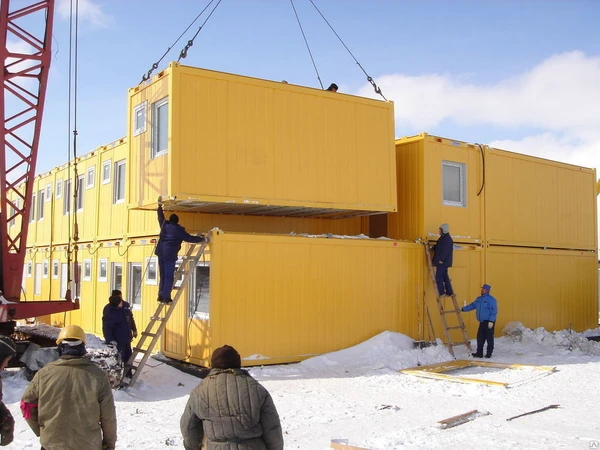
column 564, row 339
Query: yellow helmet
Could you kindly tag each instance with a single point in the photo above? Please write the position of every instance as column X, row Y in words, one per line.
column 71, row 333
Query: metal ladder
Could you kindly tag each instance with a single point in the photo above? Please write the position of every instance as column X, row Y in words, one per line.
column 159, row 320
column 444, row 312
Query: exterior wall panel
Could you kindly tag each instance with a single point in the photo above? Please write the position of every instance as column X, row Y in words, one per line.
column 284, row 306
column 236, row 139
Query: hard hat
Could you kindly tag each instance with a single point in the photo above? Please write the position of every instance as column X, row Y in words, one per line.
column 7, row 347
column 71, row 333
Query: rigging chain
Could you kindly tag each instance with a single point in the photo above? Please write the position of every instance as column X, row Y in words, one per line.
column 183, row 53
column 369, row 78
column 146, row 76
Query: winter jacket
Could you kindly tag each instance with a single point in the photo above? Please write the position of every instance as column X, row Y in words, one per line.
column 233, row 411
column 443, row 250
column 486, row 308
column 129, row 317
column 7, row 422
column 69, row 404
column 171, row 237
column 115, row 325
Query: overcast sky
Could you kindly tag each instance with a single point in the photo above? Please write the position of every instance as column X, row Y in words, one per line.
column 519, row 75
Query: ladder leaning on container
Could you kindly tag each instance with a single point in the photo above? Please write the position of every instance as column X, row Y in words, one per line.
column 443, row 312
column 163, row 312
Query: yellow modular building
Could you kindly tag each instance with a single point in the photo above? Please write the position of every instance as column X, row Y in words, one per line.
column 525, row 225
column 320, row 216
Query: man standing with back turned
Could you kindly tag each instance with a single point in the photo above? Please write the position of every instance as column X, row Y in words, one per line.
column 486, row 311
column 442, row 260
column 169, row 243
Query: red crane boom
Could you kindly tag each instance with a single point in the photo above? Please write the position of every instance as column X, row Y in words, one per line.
column 24, row 80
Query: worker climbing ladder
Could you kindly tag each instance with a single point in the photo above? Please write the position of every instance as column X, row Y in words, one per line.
column 444, row 312
column 163, row 312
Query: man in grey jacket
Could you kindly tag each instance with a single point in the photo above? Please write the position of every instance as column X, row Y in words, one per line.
column 230, row 409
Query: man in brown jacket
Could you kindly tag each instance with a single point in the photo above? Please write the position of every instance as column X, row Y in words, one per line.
column 69, row 403
column 8, row 350
column 230, row 409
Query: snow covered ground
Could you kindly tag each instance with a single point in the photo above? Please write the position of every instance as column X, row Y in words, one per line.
column 359, row 394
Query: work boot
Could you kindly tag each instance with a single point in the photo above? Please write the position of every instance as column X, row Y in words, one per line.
column 477, row 355
column 488, row 356
column 166, row 301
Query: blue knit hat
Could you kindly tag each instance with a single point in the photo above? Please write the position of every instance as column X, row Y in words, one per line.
column 487, row 287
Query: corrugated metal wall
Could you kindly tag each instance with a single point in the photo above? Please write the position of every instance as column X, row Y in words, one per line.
column 294, row 297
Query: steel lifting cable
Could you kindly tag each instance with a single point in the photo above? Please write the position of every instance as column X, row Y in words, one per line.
column 306, row 42
column 483, row 168
column 369, row 78
column 146, row 76
column 183, row 53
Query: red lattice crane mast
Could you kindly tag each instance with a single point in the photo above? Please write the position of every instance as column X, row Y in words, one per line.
column 24, row 80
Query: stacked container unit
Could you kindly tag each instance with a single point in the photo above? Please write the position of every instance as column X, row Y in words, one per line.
column 525, row 225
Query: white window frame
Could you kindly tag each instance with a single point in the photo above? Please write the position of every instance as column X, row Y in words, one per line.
column 29, row 269
column 103, row 267
column 462, row 188
column 90, row 177
column 155, row 128
column 55, row 269
column 87, row 270
column 141, row 108
column 13, row 213
column 59, row 191
column 205, row 293
column 131, row 288
column 64, row 272
column 152, row 278
column 37, row 279
column 45, row 269
column 106, row 166
column 116, row 199
column 33, row 208
column 80, row 193
column 68, row 186
column 113, row 271
column 48, row 192
column 40, row 207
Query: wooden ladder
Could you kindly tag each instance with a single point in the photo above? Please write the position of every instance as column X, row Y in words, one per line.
column 444, row 312
column 163, row 312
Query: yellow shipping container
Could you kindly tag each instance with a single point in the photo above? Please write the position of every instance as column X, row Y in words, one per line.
column 282, row 299
column 222, row 143
column 535, row 202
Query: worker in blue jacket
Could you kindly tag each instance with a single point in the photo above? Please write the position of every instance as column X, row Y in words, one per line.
column 442, row 260
column 169, row 243
column 486, row 309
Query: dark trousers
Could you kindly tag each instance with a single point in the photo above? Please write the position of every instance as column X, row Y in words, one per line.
column 443, row 281
column 485, row 334
column 124, row 348
column 166, row 271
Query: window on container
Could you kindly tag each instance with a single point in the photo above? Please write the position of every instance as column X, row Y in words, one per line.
column 13, row 213
column 90, row 177
column 160, row 127
column 119, row 185
column 134, row 295
column 40, row 206
column 79, row 199
column 29, row 268
column 139, row 119
column 103, row 270
column 55, row 268
column 48, row 192
column 59, row 185
column 454, row 183
column 67, row 197
column 152, row 271
column 76, row 282
column 64, row 275
column 45, row 269
column 87, row 270
column 37, row 280
column 199, row 292
column 106, row 171
column 116, row 276
column 32, row 216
